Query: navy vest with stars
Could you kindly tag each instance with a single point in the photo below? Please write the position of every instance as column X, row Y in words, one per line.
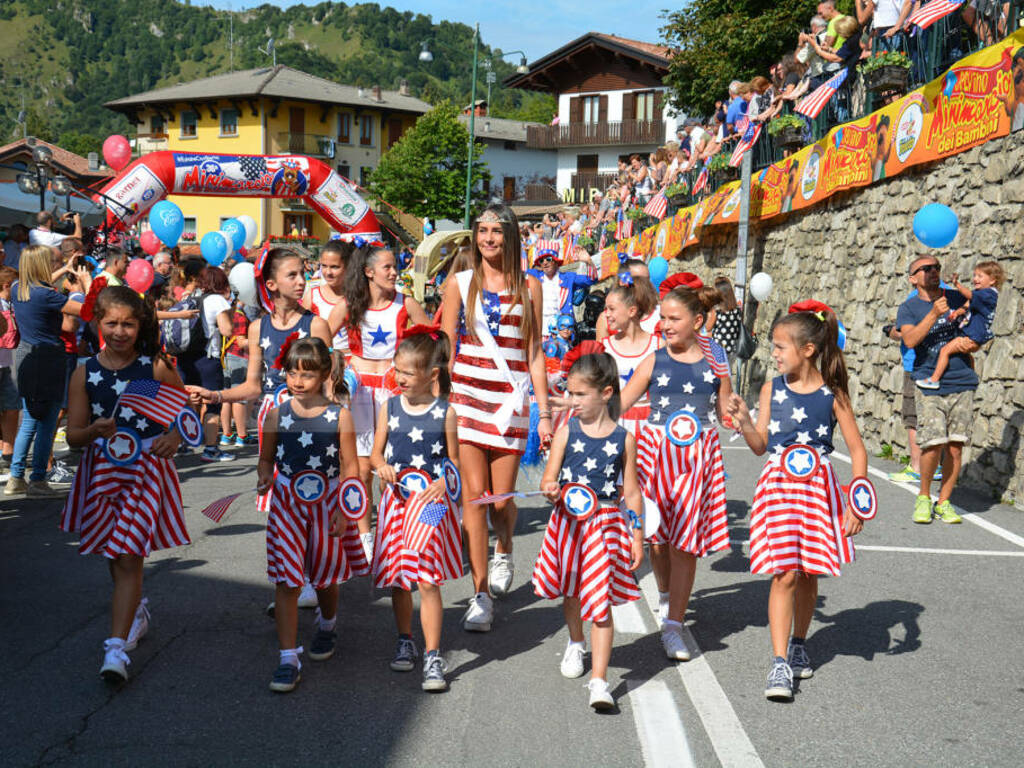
column 595, row 462
column 104, row 386
column 417, row 440
column 675, row 385
column 271, row 340
column 307, row 443
column 797, row 418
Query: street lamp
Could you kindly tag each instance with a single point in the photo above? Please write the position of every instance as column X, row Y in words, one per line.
column 425, row 55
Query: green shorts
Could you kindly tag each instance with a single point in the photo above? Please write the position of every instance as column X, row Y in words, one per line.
column 943, row 419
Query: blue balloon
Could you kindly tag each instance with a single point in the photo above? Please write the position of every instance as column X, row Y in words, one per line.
column 427, row 227
column 936, row 225
column 841, row 341
column 658, row 268
column 236, row 229
column 167, row 222
column 950, row 84
column 214, row 248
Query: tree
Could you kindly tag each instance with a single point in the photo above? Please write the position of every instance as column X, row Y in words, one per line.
column 79, row 143
column 424, row 173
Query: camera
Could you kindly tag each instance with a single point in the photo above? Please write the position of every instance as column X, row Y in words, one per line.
column 887, row 329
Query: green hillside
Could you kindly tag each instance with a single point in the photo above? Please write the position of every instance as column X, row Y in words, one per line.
column 65, row 63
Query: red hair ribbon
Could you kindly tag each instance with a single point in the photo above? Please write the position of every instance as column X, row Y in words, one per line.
column 810, row 305
column 88, row 306
column 433, row 331
column 588, row 347
column 283, row 354
column 684, row 279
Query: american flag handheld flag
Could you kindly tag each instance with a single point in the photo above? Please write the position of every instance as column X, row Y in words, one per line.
column 750, row 133
column 217, row 509
column 929, row 13
column 421, row 522
column 702, row 178
column 715, row 356
column 657, row 207
column 813, row 104
column 158, row 402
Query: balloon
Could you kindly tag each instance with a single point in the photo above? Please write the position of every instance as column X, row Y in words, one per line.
column 117, row 152
column 236, row 230
column 427, row 227
column 936, row 225
column 230, row 242
column 139, row 275
column 658, row 268
column 250, row 229
column 149, row 241
column 214, row 247
column 841, row 341
column 243, row 280
column 761, row 286
column 167, row 222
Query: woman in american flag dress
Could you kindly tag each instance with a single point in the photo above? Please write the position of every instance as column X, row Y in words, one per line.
column 492, row 315
column 123, row 511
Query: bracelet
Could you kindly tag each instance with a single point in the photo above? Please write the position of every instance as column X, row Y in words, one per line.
column 545, row 414
column 634, row 519
column 220, row 397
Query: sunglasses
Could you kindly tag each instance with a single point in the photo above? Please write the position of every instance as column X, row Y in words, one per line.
column 542, row 259
column 926, row 268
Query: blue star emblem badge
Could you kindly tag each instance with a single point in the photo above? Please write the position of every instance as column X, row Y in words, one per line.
column 863, row 499
column 309, row 486
column 683, row 428
column 799, row 461
column 353, row 498
column 579, row 501
column 412, row 480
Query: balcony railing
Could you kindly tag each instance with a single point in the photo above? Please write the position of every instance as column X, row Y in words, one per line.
column 311, row 144
column 595, row 134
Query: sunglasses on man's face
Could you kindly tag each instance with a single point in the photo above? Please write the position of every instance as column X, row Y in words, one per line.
column 926, row 268
column 542, row 259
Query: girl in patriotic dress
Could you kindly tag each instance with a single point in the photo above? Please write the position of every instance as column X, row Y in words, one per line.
column 419, row 538
column 679, row 454
column 589, row 562
column 492, row 315
column 123, row 511
column 326, row 294
column 800, row 526
column 648, row 311
column 308, row 446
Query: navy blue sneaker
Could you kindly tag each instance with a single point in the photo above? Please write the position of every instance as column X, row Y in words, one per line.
column 286, row 677
column 322, row 647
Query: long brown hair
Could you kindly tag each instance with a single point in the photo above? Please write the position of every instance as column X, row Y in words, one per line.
column 724, row 286
column 355, row 285
column 820, row 329
column 599, row 371
column 431, row 349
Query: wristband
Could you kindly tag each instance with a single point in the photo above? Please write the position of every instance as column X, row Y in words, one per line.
column 635, row 520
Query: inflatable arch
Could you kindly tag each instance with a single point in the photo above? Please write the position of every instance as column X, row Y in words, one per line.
column 152, row 177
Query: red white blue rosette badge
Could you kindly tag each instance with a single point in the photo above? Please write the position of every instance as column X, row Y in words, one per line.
column 124, row 447
column 190, row 427
column 412, row 480
column 683, row 427
column 800, row 461
column 281, row 394
column 579, row 501
column 309, row 486
column 353, row 498
column 452, row 482
column 863, row 499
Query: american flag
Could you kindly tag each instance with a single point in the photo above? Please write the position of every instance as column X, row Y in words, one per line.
column 657, row 207
column 714, row 355
column 217, row 509
column 750, row 133
column 421, row 522
column 816, row 101
column 160, row 402
column 931, row 12
column 702, row 178
column 623, row 225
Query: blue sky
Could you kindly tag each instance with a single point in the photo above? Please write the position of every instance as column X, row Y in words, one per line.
column 535, row 26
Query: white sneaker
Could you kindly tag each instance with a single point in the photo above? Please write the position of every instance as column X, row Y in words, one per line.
column 480, row 613
column 367, row 540
column 500, row 573
column 307, row 597
column 572, row 661
column 140, row 625
column 672, row 642
column 600, row 697
column 115, row 661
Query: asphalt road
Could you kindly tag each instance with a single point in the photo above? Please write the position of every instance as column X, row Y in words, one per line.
column 917, row 652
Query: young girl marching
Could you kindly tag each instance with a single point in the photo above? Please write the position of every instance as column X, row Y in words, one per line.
column 123, row 511
column 308, row 442
column 417, row 430
column 649, row 312
column 322, row 298
column 800, row 527
column 679, row 455
column 589, row 561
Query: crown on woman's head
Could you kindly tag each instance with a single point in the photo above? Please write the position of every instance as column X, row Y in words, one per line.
column 493, row 217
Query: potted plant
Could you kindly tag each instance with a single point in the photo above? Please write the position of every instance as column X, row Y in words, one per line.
column 886, row 71
column 787, row 131
column 677, row 193
column 635, row 214
column 586, row 242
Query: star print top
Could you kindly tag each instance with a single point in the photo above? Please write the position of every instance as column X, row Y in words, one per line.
column 104, row 386
column 595, row 462
column 307, row 443
column 378, row 334
column 627, row 364
column 797, row 418
column 271, row 340
column 675, row 385
column 417, row 440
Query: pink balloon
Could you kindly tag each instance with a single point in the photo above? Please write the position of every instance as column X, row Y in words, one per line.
column 117, row 152
column 139, row 275
column 150, row 242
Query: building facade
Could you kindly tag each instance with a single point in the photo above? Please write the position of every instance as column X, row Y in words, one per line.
column 518, row 171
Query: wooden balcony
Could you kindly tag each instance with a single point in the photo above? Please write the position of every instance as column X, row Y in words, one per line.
column 650, row 132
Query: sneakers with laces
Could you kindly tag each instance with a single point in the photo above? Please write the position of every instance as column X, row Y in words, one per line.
column 15, row 486
column 40, row 489
column 212, row 454
column 322, row 647
column 798, row 660
column 227, row 440
column 674, row 645
column 307, row 597
column 945, row 512
column 905, row 475
column 115, row 661
column 480, row 614
column 61, row 476
column 780, row 682
column 433, row 673
column 285, row 678
column 140, row 625
column 923, row 510
column 405, row 655
column 600, row 697
column 572, row 661
column 500, row 573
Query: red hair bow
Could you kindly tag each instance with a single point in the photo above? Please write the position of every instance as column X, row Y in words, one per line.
column 684, row 279
column 586, row 347
column 88, row 306
column 810, row 305
column 283, row 354
column 433, row 331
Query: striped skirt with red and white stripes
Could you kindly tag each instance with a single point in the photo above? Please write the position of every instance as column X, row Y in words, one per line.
column 299, row 543
column 688, row 485
column 634, row 419
column 587, row 559
column 396, row 566
column 797, row 525
column 125, row 510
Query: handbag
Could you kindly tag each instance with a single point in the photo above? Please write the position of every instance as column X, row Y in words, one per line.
column 746, row 344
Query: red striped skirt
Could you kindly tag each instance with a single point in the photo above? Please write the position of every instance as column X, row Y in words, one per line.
column 396, row 566
column 125, row 510
column 634, row 419
column 688, row 485
column 797, row 525
column 299, row 543
column 587, row 559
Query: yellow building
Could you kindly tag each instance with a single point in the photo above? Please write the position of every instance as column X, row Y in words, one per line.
column 275, row 110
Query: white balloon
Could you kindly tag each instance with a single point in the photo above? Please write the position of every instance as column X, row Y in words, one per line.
column 243, row 280
column 761, row 286
column 229, row 241
column 250, row 229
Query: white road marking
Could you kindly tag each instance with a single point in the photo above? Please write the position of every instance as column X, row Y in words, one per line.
column 662, row 736
column 730, row 742
column 933, row 551
column 628, row 620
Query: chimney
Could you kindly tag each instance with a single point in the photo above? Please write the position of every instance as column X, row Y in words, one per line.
column 376, row 93
column 361, row 92
column 403, row 87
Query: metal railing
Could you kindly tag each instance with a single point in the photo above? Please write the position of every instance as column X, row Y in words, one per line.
column 595, row 134
column 312, row 144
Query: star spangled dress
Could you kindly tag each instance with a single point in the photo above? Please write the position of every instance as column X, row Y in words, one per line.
column 299, row 544
column 687, row 483
column 589, row 559
column 637, row 416
column 132, row 509
column 419, row 441
column 797, row 525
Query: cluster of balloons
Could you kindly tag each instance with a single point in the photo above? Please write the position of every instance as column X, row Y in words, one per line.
column 234, row 236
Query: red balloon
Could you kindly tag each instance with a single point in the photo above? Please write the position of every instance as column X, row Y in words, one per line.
column 150, row 242
column 139, row 275
column 117, row 152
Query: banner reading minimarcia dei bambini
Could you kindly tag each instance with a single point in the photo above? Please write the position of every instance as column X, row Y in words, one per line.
column 975, row 101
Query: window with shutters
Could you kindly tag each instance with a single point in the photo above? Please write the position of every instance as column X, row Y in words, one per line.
column 344, row 128
column 591, row 109
column 189, row 120
column 366, row 130
column 229, row 122
column 644, row 105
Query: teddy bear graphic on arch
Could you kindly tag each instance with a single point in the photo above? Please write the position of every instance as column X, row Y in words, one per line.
column 288, row 181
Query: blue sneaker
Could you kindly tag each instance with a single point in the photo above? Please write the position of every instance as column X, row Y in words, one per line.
column 405, row 655
column 227, row 440
column 212, row 454
column 780, row 682
column 285, row 678
column 322, row 647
